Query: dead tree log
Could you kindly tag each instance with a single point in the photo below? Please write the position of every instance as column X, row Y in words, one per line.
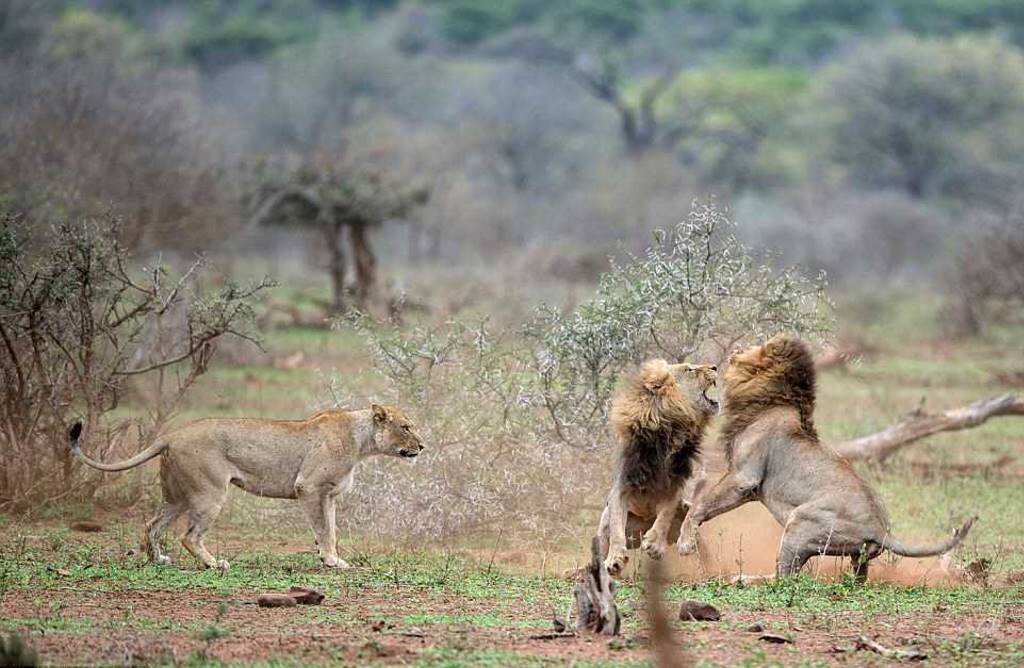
column 919, row 423
column 595, row 597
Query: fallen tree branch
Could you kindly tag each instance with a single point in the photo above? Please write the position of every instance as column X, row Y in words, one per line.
column 865, row 643
column 919, row 423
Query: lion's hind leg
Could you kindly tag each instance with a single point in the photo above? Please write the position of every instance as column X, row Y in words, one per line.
column 812, row 529
column 655, row 540
column 203, row 511
column 155, row 528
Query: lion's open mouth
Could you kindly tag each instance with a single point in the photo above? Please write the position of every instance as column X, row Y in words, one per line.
column 713, row 402
column 408, row 453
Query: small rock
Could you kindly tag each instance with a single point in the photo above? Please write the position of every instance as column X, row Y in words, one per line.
column 775, row 638
column 756, row 627
column 304, row 596
column 695, row 611
column 275, row 601
column 87, row 526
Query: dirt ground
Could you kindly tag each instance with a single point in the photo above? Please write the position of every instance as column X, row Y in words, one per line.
column 115, row 610
column 295, row 634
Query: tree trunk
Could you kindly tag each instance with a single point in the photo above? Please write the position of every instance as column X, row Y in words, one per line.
column 337, row 268
column 366, row 263
column 595, row 597
column 918, row 423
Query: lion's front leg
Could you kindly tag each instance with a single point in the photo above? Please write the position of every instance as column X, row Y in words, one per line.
column 655, row 541
column 733, row 490
column 320, row 509
column 330, row 555
column 616, row 558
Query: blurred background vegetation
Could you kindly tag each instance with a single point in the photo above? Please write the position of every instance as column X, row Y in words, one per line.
column 868, row 138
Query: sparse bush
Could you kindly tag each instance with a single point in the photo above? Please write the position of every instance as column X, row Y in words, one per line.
column 515, row 420
column 80, row 328
column 90, row 125
column 986, row 284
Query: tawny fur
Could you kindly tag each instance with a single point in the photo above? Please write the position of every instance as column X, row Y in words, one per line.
column 658, row 430
column 764, row 377
column 312, row 460
column 775, row 456
column 658, row 424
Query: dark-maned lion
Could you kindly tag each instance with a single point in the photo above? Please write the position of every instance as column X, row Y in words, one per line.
column 658, row 418
column 312, row 460
column 774, row 456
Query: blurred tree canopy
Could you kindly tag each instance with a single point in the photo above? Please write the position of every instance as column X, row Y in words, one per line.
column 794, row 32
column 584, row 121
column 929, row 116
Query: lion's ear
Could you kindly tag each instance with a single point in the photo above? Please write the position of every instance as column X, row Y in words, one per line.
column 656, row 381
column 380, row 414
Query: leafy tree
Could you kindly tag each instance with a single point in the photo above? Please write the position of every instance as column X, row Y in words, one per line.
column 340, row 201
column 930, row 116
column 735, row 123
column 222, row 33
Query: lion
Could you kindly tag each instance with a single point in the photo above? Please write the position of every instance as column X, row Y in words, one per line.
column 312, row 460
column 659, row 424
column 774, row 456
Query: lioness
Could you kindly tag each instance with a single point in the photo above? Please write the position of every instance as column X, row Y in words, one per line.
column 659, row 423
column 312, row 460
column 774, row 456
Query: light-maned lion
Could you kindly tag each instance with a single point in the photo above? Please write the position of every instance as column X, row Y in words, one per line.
column 774, row 456
column 312, row 460
column 658, row 418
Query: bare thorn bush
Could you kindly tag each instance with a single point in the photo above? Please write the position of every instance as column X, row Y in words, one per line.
column 81, row 330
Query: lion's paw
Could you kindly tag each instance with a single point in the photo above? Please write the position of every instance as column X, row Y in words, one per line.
column 616, row 564
column 335, row 562
column 654, row 548
column 686, row 546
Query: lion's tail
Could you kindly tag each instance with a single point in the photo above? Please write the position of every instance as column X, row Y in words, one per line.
column 75, row 434
column 893, row 545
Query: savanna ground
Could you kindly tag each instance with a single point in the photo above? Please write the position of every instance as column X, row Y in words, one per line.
column 86, row 598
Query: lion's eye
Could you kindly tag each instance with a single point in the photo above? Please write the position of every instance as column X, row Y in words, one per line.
column 407, row 428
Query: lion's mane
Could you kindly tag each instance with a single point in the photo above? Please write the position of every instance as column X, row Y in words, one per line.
column 780, row 373
column 659, row 431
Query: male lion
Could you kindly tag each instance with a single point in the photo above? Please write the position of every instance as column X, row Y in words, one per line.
column 774, row 456
column 659, row 424
column 312, row 460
